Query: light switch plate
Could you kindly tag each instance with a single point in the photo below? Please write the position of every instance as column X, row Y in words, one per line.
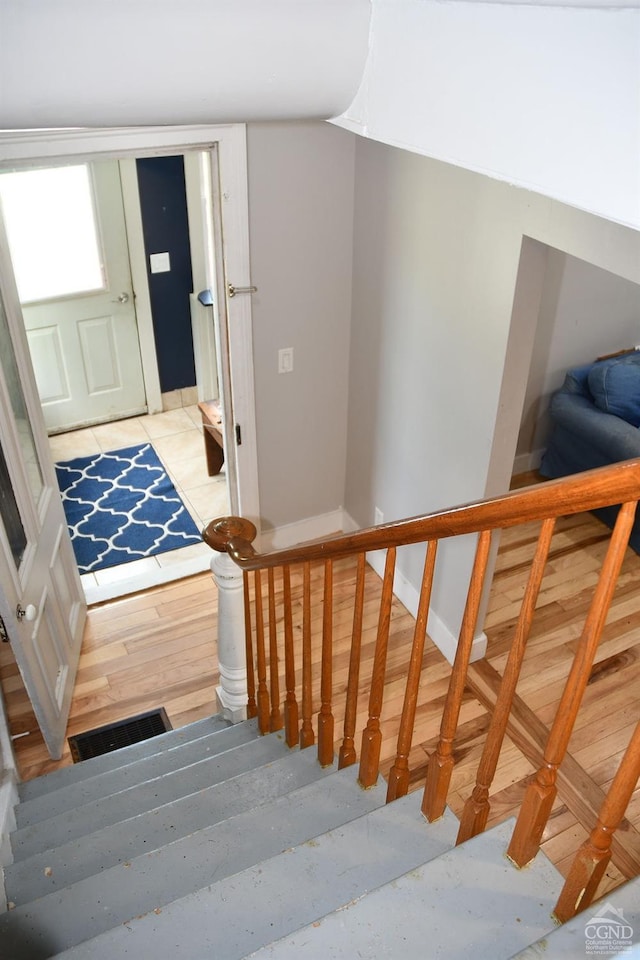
column 159, row 262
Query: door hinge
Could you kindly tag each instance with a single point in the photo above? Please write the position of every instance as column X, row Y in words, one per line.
column 238, row 435
column 3, row 632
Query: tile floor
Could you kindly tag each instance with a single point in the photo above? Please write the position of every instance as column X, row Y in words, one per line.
column 176, row 436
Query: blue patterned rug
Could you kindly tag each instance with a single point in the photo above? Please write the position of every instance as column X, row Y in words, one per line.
column 121, row 506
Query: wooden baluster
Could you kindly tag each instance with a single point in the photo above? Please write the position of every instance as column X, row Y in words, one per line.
column 307, row 738
column 275, row 722
column 399, row 774
column 476, row 809
column 252, row 709
column 372, row 735
column 441, row 761
column 347, row 755
column 591, row 860
column 263, row 693
column 325, row 717
column 290, row 704
column 541, row 792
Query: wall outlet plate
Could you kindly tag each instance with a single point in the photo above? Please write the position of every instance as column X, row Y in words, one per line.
column 285, row 360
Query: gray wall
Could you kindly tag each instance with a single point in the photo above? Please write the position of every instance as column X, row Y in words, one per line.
column 301, row 231
column 584, row 312
column 436, row 384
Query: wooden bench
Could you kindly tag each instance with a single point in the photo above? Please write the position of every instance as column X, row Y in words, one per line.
column 212, row 430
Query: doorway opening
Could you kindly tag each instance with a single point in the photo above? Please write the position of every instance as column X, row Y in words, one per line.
column 175, row 431
column 582, row 311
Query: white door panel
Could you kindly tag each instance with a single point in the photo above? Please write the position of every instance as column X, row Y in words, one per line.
column 90, row 339
column 38, row 573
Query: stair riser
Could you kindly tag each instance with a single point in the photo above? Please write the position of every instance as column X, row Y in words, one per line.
column 184, row 866
column 470, row 902
column 123, row 778
column 281, row 894
column 118, row 758
column 81, row 821
column 122, row 842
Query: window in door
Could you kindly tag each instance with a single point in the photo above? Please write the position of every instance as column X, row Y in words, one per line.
column 53, row 232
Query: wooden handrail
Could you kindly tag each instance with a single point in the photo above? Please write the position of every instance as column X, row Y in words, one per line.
column 605, row 486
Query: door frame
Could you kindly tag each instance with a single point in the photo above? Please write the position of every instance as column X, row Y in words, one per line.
column 30, row 148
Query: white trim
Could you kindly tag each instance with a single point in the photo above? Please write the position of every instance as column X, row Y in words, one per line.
column 234, row 207
column 197, row 166
column 144, row 581
column 406, row 593
column 33, row 146
column 138, row 264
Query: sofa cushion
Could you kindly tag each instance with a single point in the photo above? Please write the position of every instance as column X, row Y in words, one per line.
column 577, row 380
column 615, row 387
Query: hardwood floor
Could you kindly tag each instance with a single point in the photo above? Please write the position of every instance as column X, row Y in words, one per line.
column 157, row 649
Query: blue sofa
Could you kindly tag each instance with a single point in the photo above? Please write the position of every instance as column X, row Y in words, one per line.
column 595, row 420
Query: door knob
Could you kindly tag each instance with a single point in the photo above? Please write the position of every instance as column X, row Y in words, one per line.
column 26, row 613
column 123, row 298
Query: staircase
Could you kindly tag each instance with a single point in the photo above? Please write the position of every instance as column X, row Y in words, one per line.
column 212, row 841
column 223, row 842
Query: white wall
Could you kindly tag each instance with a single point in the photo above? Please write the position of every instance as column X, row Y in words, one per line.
column 585, row 312
column 301, row 233
column 69, row 63
column 434, row 412
column 546, row 97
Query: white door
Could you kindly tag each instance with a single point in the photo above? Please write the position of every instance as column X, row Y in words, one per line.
column 41, row 599
column 68, row 241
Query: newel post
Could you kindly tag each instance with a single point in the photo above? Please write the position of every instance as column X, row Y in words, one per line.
column 231, row 694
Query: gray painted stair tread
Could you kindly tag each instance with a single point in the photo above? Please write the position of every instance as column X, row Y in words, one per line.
column 123, row 777
column 470, row 902
column 121, row 842
column 267, row 901
column 140, row 885
column 569, row 942
column 80, row 821
column 111, row 761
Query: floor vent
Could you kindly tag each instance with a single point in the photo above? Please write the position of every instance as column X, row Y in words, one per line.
column 113, row 736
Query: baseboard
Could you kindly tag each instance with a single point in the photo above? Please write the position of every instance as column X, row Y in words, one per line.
column 445, row 640
column 528, row 461
column 313, row 528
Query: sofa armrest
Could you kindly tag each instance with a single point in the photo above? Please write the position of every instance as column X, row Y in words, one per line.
column 612, row 437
